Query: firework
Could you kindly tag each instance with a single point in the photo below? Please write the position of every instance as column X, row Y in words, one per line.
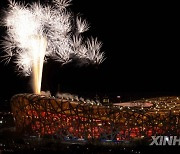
column 36, row 32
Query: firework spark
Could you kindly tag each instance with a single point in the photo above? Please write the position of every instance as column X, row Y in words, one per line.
column 36, row 32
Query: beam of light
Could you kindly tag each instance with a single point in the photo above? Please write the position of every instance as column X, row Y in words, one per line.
column 38, row 48
column 36, row 32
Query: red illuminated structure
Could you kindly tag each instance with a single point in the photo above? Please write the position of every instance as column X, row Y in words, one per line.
column 67, row 119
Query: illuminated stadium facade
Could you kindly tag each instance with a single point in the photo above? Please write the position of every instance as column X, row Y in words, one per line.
column 67, row 119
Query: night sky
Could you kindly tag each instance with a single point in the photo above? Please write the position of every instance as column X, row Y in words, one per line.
column 140, row 41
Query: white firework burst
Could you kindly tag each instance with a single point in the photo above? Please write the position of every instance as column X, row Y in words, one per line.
column 53, row 22
column 82, row 25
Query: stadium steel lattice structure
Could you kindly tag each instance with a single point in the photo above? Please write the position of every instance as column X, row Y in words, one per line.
column 67, row 119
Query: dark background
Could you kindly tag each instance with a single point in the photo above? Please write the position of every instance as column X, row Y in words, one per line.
column 141, row 45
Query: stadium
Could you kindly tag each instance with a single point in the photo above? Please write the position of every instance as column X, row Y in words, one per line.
column 74, row 119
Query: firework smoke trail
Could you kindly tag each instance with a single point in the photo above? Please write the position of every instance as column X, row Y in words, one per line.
column 36, row 32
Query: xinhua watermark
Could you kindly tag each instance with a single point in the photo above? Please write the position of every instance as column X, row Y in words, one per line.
column 165, row 140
